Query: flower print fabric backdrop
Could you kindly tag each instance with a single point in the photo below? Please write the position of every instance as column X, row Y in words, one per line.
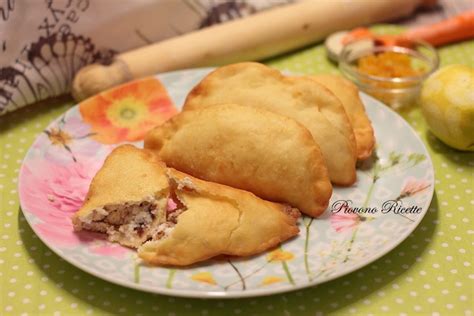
column 43, row 43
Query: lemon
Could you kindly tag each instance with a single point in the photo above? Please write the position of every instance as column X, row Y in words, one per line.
column 447, row 101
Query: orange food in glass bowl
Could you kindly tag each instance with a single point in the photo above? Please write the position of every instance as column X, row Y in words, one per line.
column 388, row 65
column 392, row 74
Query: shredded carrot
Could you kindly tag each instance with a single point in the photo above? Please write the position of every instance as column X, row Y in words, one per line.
column 388, row 65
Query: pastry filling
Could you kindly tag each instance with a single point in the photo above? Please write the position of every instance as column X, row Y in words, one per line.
column 174, row 208
column 127, row 223
column 132, row 224
column 292, row 212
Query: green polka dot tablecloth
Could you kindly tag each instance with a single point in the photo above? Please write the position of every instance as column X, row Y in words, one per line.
column 430, row 273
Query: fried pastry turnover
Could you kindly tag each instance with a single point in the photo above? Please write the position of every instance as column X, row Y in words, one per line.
column 175, row 219
column 302, row 99
column 348, row 93
column 268, row 154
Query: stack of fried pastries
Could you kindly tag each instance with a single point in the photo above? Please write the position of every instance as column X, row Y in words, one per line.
column 247, row 135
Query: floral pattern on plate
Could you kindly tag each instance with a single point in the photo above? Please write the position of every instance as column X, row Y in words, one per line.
column 61, row 163
column 128, row 112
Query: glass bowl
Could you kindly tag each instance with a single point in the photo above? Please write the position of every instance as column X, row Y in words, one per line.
column 397, row 92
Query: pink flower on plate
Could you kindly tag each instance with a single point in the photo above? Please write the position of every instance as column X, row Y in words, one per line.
column 412, row 186
column 68, row 139
column 344, row 221
column 53, row 192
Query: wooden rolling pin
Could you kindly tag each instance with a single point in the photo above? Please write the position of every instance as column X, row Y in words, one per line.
column 255, row 37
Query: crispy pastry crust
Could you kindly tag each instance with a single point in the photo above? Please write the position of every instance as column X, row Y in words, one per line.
column 214, row 219
column 348, row 93
column 219, row 220
column 256, row 150
column 302, row 99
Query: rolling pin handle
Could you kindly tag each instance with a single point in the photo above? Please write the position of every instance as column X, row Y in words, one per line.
column 95, row 78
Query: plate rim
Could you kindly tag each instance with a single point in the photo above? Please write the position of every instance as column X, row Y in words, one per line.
column 249, row 292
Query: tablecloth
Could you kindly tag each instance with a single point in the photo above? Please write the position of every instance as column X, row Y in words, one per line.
column 430, row 273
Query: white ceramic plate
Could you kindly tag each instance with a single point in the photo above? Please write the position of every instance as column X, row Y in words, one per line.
column 58, row 168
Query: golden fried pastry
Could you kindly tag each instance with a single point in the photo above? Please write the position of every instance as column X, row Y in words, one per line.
column 268, row 154
column 348, row 93
column 304, row 100
column 125, row 197
column 175, row 219
column 219, row 220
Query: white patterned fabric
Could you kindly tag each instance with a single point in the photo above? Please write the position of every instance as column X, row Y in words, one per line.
column 43, row 43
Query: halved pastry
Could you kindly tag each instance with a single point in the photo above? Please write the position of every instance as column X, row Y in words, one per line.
column 267, row 154
column 175, row 219
column 218, row 219
column 348, row 93
column 126, row 197
column 302, row 99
